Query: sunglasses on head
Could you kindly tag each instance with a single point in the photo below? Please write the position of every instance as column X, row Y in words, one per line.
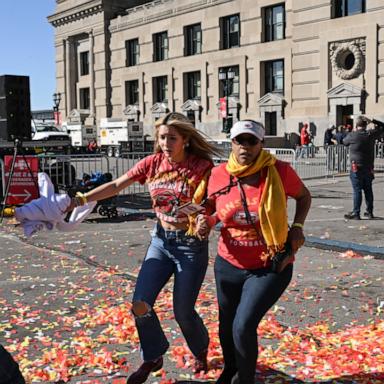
column 175, row 116
column 246, row 140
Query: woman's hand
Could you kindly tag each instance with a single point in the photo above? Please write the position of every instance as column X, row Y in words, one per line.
column 202, row 227
column 296, row 238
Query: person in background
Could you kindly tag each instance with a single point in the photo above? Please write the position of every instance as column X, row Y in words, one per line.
column 92, row 146
column 329, row 136
column 361, row 143
column 329, row 141
column 340, row 134
column 176, row 174
column 256, row 247
column 305, row 140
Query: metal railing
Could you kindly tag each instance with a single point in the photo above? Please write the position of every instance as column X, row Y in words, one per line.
column 317, row 162
column 2, row 170
column 67, row 171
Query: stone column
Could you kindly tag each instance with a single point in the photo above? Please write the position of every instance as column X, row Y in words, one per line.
column 357, row 107
column 92, row 76
column 67, row 60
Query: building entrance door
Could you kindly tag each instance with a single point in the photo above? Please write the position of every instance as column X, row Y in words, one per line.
column 191, row 116
column 270, row 123
column 344, row 115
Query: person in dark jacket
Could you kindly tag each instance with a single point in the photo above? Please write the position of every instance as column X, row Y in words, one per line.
column 9, row 369
column 361, row 144
column 329, row 137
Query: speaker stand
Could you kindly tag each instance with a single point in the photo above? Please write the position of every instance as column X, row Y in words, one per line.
column 17, row 146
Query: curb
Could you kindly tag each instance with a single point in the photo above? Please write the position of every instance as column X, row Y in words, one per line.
column 336, row 245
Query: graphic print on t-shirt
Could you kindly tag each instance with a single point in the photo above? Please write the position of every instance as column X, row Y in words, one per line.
column 169, row 191
column 240, row 217
column 170, row 184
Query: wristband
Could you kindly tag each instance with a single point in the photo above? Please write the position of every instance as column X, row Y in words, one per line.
column 82, row 198
column 298, row 225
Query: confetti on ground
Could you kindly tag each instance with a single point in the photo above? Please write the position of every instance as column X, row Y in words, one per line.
column 80, row 325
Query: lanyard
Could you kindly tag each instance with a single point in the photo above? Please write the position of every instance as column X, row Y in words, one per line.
column 243, row 197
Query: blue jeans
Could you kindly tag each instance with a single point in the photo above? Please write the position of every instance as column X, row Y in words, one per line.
column 362, row 181
column 244, row 297
column 172, row 253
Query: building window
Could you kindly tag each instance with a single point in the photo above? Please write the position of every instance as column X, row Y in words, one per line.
column 192, row 85
column 193, row 40
column 84, row 63
column 343, row 8
column 230, row 31
column 160, row 89
column 132, row 92
column 84, row 98
column 132, row 52
column 274, row 23
column 274, row 76
column 160, row 46
column 233, row 85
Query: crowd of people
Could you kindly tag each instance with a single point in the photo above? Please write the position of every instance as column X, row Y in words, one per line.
column 257, row 244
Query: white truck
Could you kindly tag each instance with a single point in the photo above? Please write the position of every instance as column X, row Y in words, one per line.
column 80, row 135
column 119, row 137
column 47, row 131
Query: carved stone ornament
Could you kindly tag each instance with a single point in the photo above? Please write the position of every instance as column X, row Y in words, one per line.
column 348, row 58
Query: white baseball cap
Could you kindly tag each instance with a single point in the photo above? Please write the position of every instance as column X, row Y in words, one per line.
column 248, row 126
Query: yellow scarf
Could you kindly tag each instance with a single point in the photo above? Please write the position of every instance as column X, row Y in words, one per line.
column 197, row 199
column 273, row 203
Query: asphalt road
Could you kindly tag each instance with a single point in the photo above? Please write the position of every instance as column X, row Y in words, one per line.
column 61, row 291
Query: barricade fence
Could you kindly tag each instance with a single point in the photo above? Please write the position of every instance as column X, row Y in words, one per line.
column 67, row 171
column 2, row 180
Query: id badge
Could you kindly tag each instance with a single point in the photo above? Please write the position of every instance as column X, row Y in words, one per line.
column 190, row 209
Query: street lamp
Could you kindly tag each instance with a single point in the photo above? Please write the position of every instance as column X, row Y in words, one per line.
column 56, row 103
column 226, row 76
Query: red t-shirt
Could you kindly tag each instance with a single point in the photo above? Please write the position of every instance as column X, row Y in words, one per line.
column 240, row 243
column 170, row 184
column 304, row 137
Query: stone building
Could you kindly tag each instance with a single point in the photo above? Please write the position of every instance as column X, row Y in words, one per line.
column 218, row 61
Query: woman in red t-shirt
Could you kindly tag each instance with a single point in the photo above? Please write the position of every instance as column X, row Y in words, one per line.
column 249, row 196
column 176, row 174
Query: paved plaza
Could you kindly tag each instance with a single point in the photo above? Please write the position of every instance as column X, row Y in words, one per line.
column 65, row 312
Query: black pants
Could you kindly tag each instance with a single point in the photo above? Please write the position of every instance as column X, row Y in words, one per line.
column 9, row 369
column 244, row 297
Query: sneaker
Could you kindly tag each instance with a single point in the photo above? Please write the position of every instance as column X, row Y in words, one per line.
column 201, row 364
column 141, row 375
column 352, row 216
column 369, row 215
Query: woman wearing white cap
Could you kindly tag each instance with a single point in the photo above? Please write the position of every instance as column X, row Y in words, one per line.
column 256, row 247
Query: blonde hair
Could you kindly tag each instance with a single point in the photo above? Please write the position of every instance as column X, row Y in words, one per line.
column 197, row 143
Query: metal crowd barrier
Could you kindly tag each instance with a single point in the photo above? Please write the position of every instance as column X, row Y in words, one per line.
column 120, row 165
column 322, row 162
column 317, row 162
column 67, row 171
column 2, row 170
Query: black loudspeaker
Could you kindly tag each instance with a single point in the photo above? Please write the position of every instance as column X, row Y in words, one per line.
column 15, row 108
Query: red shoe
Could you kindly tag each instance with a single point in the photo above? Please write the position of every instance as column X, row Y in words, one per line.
column 201, row 364
column 141, row 375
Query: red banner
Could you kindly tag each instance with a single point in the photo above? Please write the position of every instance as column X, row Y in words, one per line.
column 23, row 185
column 223, row 107
column 58, row 118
